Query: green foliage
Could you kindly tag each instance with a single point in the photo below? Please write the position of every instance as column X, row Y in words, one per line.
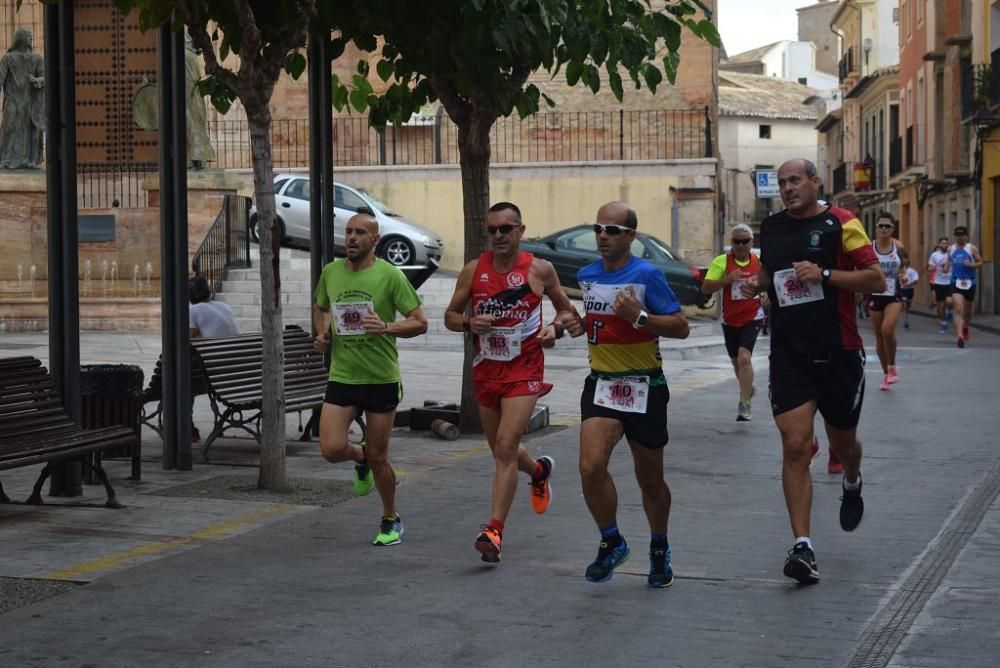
column 475, row 55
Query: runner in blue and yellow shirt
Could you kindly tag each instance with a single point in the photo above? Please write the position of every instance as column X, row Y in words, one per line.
column 629, row 305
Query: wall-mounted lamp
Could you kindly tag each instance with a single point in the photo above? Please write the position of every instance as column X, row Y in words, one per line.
column 867, row 44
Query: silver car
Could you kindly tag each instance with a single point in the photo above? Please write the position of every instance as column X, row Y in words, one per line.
column 403, row 243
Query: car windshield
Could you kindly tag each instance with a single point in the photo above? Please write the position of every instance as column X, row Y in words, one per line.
column 662, row 247
column 380, row 205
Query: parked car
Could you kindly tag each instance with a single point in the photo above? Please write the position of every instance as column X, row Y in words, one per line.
column 403, row 243
column 570, row 250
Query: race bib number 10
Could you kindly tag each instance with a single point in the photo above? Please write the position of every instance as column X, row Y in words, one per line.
column 347, row 317
column 625, row 393
column 792, row 291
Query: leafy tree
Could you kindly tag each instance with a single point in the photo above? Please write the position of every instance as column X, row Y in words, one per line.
column 266, row 36
column 475, row 56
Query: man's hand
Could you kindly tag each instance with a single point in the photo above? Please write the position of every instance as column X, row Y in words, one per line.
column 322, row 342
column 574, row 323
column 373, row 324
column 732, row 277
column 481, row 324
column 750, row 288
column 548, row 336
column 808, row 272
column 626, row 306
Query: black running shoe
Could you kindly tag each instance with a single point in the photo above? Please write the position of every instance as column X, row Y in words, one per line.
column 608, row 558
column 801, row 564
column 660, row 573
column 852, row 507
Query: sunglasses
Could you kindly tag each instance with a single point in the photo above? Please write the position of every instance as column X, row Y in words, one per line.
column 612, row 230
column 884, row 226
column 506, row 228
column 740, row 242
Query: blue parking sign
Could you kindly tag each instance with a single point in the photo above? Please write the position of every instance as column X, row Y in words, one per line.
column 767, row 183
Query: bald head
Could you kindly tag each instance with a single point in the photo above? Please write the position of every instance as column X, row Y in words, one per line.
column 618, row 213
column 367, row 220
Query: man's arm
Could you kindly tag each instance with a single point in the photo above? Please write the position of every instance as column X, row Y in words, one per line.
column 414, row 324
column 321, row 323
column 566, row 316
column 716, row 278
column 976, row 257
column 454, row 315
column 671, row 325
column 867, row 279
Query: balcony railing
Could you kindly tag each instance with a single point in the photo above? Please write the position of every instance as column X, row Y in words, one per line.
column 895, row 155
column 846, row 65
column 840, row 178
column 911, row 147
column 993, row 76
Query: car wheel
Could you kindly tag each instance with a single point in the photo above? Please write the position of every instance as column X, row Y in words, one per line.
column 397, row 251
column 255, row 231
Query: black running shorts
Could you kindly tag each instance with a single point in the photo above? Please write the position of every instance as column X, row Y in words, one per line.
column 648, row 429
column 836, row 382
column 941, row 292
column 741, row 337
column 374, row 398
column 968, row 293
column 879, row 302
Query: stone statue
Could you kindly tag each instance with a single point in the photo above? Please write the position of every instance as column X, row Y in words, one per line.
column 199, row 147
column 22, row 81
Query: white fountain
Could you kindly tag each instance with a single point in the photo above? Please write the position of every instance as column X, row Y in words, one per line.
column 149, row 274
column 135, row 279
column 31, row 273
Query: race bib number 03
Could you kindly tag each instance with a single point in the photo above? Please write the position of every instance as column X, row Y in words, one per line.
column 347, row 317
column 792, row 291
column 502, row 344
column 626, row 393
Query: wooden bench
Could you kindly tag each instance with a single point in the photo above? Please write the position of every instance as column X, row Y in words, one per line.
column 233, row 376
column 35, row 429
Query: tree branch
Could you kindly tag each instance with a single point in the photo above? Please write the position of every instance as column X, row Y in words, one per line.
column 197, row 28
column 457, row 108
column 250, row 40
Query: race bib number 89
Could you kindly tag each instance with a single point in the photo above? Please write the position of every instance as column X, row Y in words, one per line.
column 347, row 317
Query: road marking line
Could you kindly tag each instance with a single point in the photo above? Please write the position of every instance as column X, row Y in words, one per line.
column 206, row 534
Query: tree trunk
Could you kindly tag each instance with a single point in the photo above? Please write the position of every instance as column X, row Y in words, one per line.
column 474, row 158
column 273, row 472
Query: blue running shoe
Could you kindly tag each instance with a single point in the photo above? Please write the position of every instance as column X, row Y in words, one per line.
column 660, row 573
column 609, row 557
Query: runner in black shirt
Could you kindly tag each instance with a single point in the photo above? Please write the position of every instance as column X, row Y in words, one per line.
column 813, row 258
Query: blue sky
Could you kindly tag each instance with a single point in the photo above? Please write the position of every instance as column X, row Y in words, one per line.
column 747, row 24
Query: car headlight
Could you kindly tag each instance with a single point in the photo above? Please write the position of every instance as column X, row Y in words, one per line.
column 430, row 241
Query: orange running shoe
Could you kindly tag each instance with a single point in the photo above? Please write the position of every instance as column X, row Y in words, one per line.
column 833, row 466
column 541, row 490
column 488, row 544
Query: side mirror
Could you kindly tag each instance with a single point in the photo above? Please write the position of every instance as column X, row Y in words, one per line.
column 551, row 244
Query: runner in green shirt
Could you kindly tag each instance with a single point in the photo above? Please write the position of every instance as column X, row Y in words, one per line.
column 356, row 302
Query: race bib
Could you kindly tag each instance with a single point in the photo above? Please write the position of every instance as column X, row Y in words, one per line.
column 963, row 283
column 890, row 287
column 347, row 317
column 502, row 344
column 793, row 292
column 625, row 393
column 736, row 289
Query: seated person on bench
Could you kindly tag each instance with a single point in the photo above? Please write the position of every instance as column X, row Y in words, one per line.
column 207, row 318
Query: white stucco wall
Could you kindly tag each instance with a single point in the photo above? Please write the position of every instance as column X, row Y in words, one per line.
column 741, row 147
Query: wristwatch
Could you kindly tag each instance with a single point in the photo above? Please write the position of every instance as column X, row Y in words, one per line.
column 641, row 320
column 826, row 275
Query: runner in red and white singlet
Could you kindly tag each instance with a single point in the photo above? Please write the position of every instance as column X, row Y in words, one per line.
column 498, row 299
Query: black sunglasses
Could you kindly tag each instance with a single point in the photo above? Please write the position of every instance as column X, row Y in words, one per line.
column 506, row 228
column 612, row 230
column 741, row 241
column 884, row 226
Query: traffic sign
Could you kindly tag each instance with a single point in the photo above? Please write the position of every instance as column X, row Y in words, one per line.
column 767, row 183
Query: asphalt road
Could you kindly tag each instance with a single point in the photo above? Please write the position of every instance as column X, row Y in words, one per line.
column 915, row 585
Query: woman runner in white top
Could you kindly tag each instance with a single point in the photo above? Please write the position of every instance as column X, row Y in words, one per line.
column 885, row 306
